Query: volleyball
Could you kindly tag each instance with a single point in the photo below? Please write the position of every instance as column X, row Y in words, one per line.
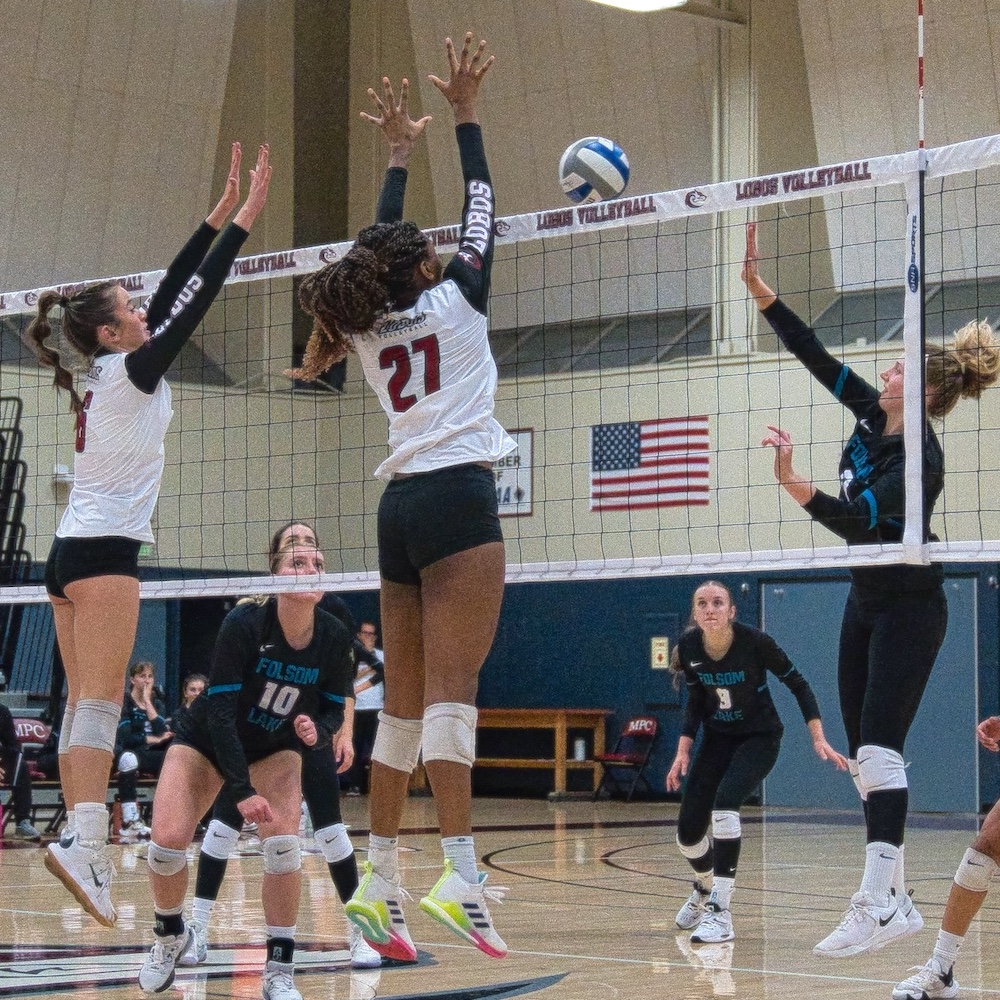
column 593, row 169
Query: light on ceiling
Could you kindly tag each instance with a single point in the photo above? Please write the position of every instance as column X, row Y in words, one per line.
column 642, row 5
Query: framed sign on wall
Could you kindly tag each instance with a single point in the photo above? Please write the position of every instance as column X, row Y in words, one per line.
column 513, row 475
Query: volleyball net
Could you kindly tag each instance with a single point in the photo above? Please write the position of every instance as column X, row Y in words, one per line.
column 635, row 375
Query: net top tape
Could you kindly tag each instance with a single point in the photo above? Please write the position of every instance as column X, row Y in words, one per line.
column 643, row 209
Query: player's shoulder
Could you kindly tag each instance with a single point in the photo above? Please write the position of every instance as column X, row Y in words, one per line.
column 331, row 626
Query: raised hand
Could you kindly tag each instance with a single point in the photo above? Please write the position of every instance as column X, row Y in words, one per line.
column 231, row 195
column 781, row 442
column 400, row 130
column 260, row 180
column 462, row 87
column 988, row 733
column 749, row 274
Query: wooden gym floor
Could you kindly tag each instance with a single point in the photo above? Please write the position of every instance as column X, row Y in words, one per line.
column 593, row 889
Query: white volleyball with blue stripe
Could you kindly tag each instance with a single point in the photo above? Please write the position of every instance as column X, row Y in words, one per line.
column 593, row 169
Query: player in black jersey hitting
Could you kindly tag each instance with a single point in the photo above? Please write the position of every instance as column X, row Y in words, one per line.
column 725, row 666
column 92, row 575
column 281, row 674
column 895, row 619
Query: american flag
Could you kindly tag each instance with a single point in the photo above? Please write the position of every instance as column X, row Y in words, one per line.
column 649, row 463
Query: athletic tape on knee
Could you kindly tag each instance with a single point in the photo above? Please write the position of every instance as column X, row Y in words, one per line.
column 397, row 742
column 725, row 824
column 219, row 841
column 450, row 732
column 67, row 729
column 165, row 860
column 975, row 871
column 281, row 855
column 334, row 843
column 128, row 761
column 95, row 724
column 880, row 769
column 694, row 851
column 855, row 772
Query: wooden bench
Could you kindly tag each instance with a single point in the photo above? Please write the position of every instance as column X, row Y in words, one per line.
column 560, row 721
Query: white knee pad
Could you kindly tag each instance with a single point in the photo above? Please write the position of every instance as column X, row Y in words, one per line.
column 281, row 855
column 975, row 871
column 880, row 769
column 397, row 742
column 165, row 860
column 855, row 772
column 220, row 840
column 128, row 761
column 450, row 732
column 334, row 843
column 694, row 851
column 95, row 724
column 67, row 729
column 725, row 824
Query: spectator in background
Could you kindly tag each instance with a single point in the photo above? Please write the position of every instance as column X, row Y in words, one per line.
column 369, row 700
column 17, row 778
column 192, row 686
column 143, row 737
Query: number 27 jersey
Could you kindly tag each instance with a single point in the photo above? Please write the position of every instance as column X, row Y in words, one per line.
column 433, row 372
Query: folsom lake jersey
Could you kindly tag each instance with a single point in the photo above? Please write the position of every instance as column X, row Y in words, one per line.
column 871, row 505
column 258, row 684
column 730, row 695
column 431, row 365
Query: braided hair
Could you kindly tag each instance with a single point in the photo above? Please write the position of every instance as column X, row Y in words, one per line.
column 348, row 297
column 82, row 314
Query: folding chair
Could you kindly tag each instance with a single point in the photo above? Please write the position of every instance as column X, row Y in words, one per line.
column 630, row 754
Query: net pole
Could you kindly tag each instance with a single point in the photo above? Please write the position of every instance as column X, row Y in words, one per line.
column 915, row 535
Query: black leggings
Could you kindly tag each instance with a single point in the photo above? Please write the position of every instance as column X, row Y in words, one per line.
column 724, row 774
column 888, row 645
column 320, row 789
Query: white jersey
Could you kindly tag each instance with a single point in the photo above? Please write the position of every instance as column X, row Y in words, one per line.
column 433, row 372
column 119, row 455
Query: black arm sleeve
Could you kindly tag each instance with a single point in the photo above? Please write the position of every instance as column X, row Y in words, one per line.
column 847, row 387
column 233, row 649
column 471, row 265
column 390, row 200
column 874, row 515
column 776, row 660
column 148, row 364
column 177, row 274
column 696, row 709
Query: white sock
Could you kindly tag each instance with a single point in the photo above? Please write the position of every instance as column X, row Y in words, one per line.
column 201, row 910
column 722, row 891
column 705, row 879
column 130, row 812
column 946, row 949
column 898, row 875
column 880, row 863
column 92, row 824
column 383, row 853
column 461, row 851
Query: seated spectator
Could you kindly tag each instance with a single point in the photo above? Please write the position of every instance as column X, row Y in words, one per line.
column 192, row 686
column 18, row 778
column 143, row 737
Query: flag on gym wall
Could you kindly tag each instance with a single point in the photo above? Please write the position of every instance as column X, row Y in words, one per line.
column 649, row 463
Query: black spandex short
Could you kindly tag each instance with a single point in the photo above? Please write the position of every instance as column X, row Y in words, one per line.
column 72, row 559
column 429, row 516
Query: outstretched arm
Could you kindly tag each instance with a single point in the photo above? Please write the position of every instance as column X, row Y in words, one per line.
column 750, row 276
column 470, row 267
column 147, row 365
column 401, row 133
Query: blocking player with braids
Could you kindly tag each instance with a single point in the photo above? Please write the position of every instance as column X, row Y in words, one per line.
column 725, row 666
column 92, row 575
column 895, row 618
column 420, row 332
